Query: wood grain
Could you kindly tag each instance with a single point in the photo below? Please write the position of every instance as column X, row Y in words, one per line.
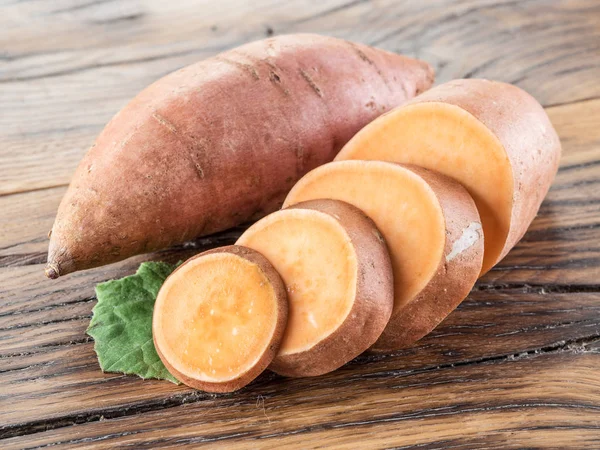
column 490, row 325
column 514, row 367
column 71, row 87
column 505, row 404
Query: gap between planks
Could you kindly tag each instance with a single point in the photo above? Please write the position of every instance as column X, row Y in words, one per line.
column 575, row 346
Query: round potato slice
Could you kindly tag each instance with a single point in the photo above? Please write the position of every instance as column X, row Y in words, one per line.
column 432, row 230
column 219, row 319
column 338, row 275
column 493, row 138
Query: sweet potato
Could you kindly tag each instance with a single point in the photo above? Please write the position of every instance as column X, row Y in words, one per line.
column 492, row 137
column 432, row 230
column 221, row 142
column 219, row 319
column 338, row 275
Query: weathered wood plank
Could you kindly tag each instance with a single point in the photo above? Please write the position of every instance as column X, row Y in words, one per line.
column 22, row 340
column 504, row 404
column 24, row 319
column 24, row 219
column 488, row 325
column 25, row 289
column 73, row 86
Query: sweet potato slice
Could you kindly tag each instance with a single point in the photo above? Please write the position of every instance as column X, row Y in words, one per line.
column 492, row 137
column 432, row 230
column 219, row 319
column 221, row 142
column 338, row 276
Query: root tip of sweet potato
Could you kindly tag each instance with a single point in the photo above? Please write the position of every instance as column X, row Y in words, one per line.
column 52, row 271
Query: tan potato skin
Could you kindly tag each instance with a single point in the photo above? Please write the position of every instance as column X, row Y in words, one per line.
column 524, row 129
column 453, row 280
column 221, row 142
column 372, row 305
column 282, row 313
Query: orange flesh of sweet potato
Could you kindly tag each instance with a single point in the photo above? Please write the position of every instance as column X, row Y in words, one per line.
column 221, row 142
column 431, row 227
column 317, row 261
column 219, row 318
column 492, row 137
column 403, row 208
column 320, row 249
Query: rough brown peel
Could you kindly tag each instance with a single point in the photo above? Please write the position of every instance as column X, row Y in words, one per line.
column 221, row 142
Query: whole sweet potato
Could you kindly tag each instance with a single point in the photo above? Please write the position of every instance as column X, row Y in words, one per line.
column 221, row 142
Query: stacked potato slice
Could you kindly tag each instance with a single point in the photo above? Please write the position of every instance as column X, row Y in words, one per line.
column 374, row 250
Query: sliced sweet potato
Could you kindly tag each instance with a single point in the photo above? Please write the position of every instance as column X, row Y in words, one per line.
column 338, row 276
column 221, row 142
column 492, row 137
column 432, row 230
column 219, row 319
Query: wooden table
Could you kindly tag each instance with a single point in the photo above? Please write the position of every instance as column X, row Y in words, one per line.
column 517, row 365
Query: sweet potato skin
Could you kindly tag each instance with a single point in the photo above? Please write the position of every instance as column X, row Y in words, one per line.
column 526, row 133
column 266, row 358
column 456, row 273
column 373, row 301
column 221, row 142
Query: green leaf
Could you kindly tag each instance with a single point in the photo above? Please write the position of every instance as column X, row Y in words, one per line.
column 122, row 323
